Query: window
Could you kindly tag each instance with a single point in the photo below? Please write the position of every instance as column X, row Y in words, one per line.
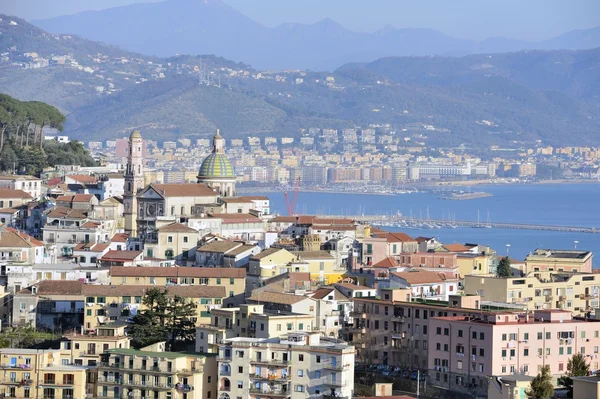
column 101, row 299
column 526, row 352
column 548, row 335
column 446, row 331
column 503, row 337
column 138, row 299
column 240, row 369
column 460, row 333
column 482, row 336
column 299, row 388
column 540, row 335
column 300, row 358
column 526, row 336
column 240, row 384
column 438, row 331
column 185, row 239
column 90, row 299
column 300, row 373
column 169, row 239
column 231, row 281
column 218, row 281
column 474, row 335
column 126, row 299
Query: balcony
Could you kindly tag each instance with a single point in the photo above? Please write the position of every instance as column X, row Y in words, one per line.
column 358, row 314
column 271, row 362
column 271, row 393
column 336, row 367
column 89, row 353
column 357, row 329
column 15, row 366
column 334, row 383
column 276, row 378
column 184, row 388
column 398, row 318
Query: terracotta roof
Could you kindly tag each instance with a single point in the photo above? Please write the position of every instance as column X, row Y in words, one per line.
column 277, row 297
column 12, row 238
column 284, row 219
column 56, row 287
column 177, row 228
column 54, row 181
column 219, row 246
column 91, row 247
column 176, row 271
column 118, row 256
column 456, row 248
column 90, row 225
column 322, row 292
column 267, row 252
column 398, row 237
column 12, row 210
column 387, row 262
column 120, row 237
column 184, row 190
column 75, row 198
column 67, row 213
column 417, row 277
column 8, row 193
column 314, row 255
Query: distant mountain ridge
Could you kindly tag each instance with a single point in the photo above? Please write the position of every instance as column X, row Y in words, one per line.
column 479, row 100
column 213, row 27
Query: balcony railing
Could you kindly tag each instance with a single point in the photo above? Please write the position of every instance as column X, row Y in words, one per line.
column 334, row 383
column 336, row 367
column 279, row 393
column 360, row 314
column 272, row 377
column 271, row 362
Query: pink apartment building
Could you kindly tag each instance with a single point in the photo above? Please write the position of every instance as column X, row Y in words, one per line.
column 465, row 350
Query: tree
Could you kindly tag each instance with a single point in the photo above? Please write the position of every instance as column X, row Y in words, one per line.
column 541, row 386
column 504, row 269
column 165, row 318
column 576, row 367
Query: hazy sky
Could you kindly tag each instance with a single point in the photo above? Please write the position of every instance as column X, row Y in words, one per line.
column 474, row 19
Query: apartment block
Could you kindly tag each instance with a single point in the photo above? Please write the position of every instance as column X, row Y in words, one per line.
column 297, row 365
column 85, row 349
column 152, row 373
column 233, row 280
column 251, row 321
column 396, row 332
column 559, row 261
column 469, row 348
column 577, row 293
column 33, row 373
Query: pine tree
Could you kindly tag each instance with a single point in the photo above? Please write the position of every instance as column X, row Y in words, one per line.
column 576, row 367
column 180, row 320
column 504, row 269
column 541, row 386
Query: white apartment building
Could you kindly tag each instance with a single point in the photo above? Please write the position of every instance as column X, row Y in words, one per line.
column 297, row 365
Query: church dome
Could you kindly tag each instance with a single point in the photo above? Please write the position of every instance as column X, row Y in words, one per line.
column 216, row 165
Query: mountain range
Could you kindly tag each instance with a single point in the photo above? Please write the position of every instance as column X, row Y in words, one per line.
column 482, row 99
column 212, row 27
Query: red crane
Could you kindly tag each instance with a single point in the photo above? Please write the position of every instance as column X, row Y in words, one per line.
column 291, row 206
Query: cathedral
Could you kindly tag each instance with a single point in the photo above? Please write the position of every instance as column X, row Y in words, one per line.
column 216, row 170
column 175, row 202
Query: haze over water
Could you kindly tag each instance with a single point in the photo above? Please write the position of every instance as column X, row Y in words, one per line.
column 544, row 204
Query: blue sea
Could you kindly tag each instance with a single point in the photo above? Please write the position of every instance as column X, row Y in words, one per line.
column 549, row 204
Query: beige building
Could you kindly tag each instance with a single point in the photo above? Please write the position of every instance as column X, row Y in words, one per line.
column 586, row 387
column 233, row 280
column 85, row 349
column 174, row 241
column 30, row 184
column 577, row 293
column 550, row 260
column 38, row 373
column 297, row 365
column 467, row 349
column 509, row 387
column 251, row 321
column 154, row 373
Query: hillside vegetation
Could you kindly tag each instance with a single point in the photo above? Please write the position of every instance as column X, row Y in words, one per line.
column 503, row 99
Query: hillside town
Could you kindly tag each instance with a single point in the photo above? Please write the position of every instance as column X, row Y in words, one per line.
column 171, row 289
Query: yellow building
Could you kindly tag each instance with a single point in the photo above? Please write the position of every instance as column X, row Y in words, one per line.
column 232, row 279
column 577, row 293
column 275, row 261
column 551, row 260
column 117, row 303
column 156, row 374
column 36, row 373
column 474, row 264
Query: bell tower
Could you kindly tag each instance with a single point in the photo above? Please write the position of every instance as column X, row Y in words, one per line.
column 134, row 181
